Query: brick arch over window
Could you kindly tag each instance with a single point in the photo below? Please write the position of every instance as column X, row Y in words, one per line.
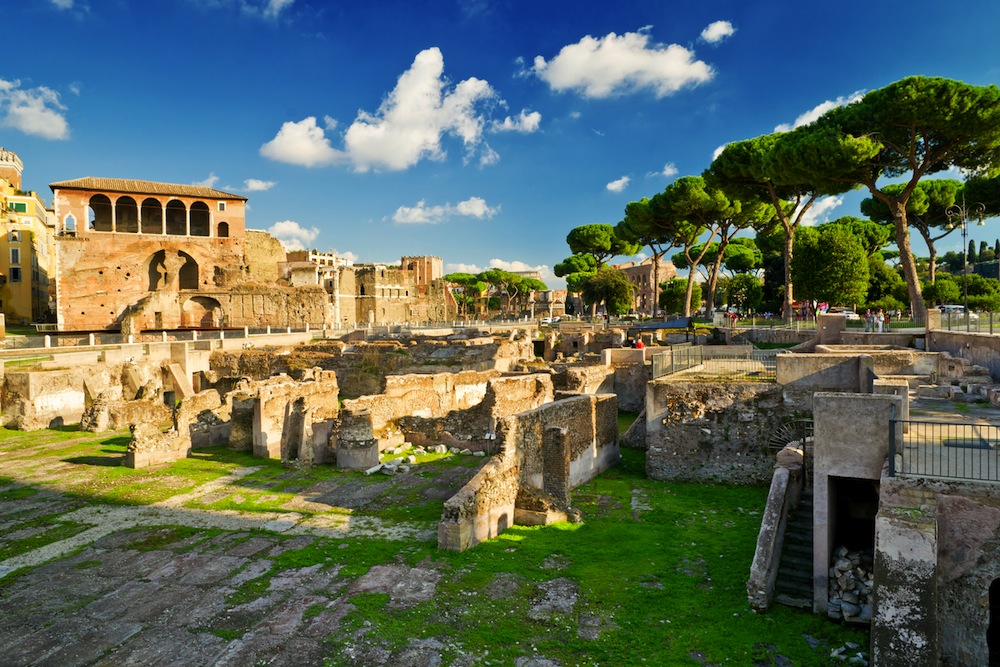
column 223, row 230
column 152, row 216
column 171, row 270
column 201, row 219
column 99, row 214
column 126, row 215
column 176, row 218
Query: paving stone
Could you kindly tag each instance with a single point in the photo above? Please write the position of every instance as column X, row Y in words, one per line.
column 92, row 645
column 287, row 617
column 299, row 651
column 122, row 600
column 254, row 569
column 294, row 578
column 167, row 647
column 300, row 542
column 328, row 621
column 212, row 569
column 250, row 547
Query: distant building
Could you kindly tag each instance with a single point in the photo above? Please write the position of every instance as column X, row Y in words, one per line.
column 640, row 274
column 27, row 248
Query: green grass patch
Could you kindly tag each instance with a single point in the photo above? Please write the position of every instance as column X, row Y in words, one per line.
column 55, row 532
column 625, row 421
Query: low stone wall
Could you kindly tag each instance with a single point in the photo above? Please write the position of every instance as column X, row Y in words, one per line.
column 979, row 349
column 712, row 431
column 550, row 449
column 819, row 372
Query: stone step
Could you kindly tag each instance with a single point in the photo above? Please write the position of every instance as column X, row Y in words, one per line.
column 801, row 549
column 791, row 600
column 795, row 563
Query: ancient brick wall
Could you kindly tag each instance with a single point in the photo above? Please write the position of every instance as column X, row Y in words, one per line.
column 712, row 431
column 262, row 253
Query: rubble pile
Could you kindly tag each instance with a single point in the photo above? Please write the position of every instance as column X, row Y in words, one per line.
column 851, row 582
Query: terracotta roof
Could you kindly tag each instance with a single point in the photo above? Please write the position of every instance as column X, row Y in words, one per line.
column 133, row 186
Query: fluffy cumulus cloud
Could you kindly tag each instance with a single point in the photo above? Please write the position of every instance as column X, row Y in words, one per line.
column 820, row 211
column 34, row 111
column 669, row 171
column 717, row 31
column 527, row 122
column 819, row 110
column 617, row 64
column 618, row 185
column 303, row 143
column 292, row 235
column 408, row 126
column 473, row 207
column 257, row 185
column 208, row 182
column 462, row 268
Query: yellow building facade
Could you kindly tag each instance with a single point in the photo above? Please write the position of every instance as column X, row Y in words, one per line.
column 27, row 248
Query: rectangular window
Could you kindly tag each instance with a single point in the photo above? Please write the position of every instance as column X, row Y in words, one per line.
column 15, row 236
column 222, row 206
column 17, row 207
column 15, row 274
column 15, row 256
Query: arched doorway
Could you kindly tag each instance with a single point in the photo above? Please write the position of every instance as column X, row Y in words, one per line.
column 99, row 214
column 171, row 270
column 152, row 216
column 201, row 223
column 176, row 218
column 993, row 629
column 126, row 215
column 201, row 311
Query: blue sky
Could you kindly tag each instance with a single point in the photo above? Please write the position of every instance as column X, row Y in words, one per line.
column 479, row 131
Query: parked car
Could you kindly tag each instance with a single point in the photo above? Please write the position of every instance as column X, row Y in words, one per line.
column 850, row 314
column 957, row 312
column 550, row 320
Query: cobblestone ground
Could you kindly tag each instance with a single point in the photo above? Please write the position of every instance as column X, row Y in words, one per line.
column 165, row 584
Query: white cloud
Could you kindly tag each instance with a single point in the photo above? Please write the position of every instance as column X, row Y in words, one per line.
column 63, row 4
column 717, row 31
column 473, row 207
column 488, row 156
column 669, row 171
column 257, row 185
column 329, row 122
column 34, row 111
column 718, row 151
column 408, row 126
column 820, row 211
column 302, row 143
column 208, row 182
column 819, row 110
column 618, row 185
column 462, row 268
column 618, row 64
column 292, row 235
column 275, row 7
column 526, row 122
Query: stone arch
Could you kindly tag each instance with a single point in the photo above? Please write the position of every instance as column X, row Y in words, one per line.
column 152, row 216
column 223, row 230
column 99, row 214
column 126, row 215
column 171, row 270
column 201, row 311
column 176, row 218
column 201, row 219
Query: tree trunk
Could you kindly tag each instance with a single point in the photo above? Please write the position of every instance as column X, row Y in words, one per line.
column 788, row 312
column 907, row 260
column 655, row 306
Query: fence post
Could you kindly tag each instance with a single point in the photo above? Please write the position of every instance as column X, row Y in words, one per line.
column 892, row 448
column 48, row 340
column 90, row 339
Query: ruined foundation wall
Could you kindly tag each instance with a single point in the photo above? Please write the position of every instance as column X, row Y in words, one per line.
column 484, row 507
column 947, row 582
column 712, row 431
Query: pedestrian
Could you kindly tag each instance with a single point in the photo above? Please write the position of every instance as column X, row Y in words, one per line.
column 638, row 343
column 869, row 320
column 879, row 320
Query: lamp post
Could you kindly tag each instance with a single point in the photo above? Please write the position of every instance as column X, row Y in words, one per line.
column 961, row 215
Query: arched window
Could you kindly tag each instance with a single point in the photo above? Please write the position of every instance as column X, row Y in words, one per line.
column 188, row 277
column 152, row 216
column 126, row 216
column 99, row 214
column 201, row 219
column 176, row 218
column 223, row 230
column 69, row 224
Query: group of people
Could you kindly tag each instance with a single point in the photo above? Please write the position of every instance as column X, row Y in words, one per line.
column 875, row 321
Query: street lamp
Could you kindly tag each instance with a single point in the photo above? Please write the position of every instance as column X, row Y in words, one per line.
column 961, row 215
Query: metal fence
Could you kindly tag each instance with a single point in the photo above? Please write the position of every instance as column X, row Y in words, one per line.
column 969, row 451
column 722, row 362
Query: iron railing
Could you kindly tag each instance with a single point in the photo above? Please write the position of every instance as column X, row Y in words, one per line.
column 967, row 451
column 721, row 362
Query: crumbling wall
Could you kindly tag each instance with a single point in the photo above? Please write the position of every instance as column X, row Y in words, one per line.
column 712, row 431
column 200, row 420
column 550, row 450
column 262, row 253
column 283, row 413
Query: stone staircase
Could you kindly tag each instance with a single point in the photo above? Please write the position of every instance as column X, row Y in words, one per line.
column 794, row 584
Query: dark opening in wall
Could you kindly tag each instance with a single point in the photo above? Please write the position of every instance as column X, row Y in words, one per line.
column 854, row 503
